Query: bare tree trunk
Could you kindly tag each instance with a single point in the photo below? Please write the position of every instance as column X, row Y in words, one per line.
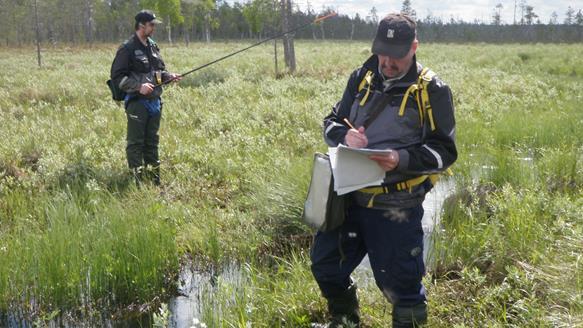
column 275, row 57
column 37, row 33
column 186, row 35
column 89, row 26
column 169, row 30
column 322, row 30
column 352, row 31
column 288, row 41
column 207, row 27
column 17, row 30
column 194, row 31
column 51, row 35
column 514, row 22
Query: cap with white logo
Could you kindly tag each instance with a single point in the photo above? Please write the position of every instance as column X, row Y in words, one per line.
column 147, row 16
column 394, row 37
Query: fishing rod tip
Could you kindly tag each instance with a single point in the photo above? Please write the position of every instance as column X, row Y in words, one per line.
column 330, row 15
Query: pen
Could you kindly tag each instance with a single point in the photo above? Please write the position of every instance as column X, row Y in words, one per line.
column 349, row 124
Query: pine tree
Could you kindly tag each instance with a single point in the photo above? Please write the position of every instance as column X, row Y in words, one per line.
column 554, row 18
column 579, row 17
column 372, row 16
column 529, row 15
column 408, row 10
column 497, row 17
column 569, row 16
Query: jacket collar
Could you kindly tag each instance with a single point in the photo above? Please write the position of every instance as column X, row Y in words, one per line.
column 138, row 42
column 372, row 64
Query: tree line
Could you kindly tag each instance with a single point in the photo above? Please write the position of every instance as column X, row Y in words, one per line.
column 88, row 21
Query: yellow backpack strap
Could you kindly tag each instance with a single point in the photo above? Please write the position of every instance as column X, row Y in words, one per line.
column 435, row 177
column 412, row 89
column 423, row 82
column 420, row 106
column 366, row 82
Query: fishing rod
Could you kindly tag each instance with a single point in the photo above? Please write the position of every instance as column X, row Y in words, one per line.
column 316, row 21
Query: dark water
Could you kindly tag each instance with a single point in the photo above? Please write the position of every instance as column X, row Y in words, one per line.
column 18, row 320
column 196, row 288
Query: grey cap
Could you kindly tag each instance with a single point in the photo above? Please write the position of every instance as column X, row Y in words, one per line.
column 395, row 34
column 147, row 16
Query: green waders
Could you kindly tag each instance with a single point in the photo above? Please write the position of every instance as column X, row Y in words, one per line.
column 142, row 142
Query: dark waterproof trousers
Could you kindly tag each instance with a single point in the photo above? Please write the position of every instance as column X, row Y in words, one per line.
column 393, row 240
column 142, row 136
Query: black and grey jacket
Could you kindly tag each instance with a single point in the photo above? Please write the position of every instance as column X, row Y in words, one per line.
column 421, row 149
column 135, row 64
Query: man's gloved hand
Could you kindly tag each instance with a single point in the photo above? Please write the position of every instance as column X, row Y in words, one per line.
column 175, row 77
column 146, row 89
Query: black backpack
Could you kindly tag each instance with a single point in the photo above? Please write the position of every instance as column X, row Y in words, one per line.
column 117, row 94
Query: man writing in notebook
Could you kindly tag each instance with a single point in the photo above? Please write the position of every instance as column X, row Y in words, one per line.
column 391, row 102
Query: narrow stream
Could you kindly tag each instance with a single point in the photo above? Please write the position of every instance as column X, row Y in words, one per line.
column 194, row 287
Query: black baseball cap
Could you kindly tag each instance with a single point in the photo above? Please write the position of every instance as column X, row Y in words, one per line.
column 395, row 34
column 147, row 16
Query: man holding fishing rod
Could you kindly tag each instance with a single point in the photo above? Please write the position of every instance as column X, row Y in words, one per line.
column 137, row 77
column 138, row 71
column 392, row 103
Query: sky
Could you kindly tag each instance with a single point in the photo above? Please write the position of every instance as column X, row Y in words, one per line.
column 468, row 10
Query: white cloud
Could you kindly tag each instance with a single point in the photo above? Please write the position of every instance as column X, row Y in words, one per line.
column 468, row 10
